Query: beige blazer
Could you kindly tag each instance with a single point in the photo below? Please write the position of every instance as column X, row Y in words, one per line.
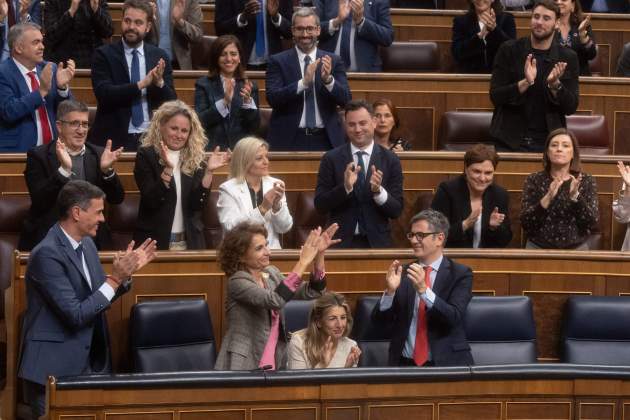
column 621, row 211
column 181, row 37
column 299, row 360
column 235, row 205
column 248, row 312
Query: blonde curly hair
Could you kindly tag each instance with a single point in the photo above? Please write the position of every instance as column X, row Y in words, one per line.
column 193, row 153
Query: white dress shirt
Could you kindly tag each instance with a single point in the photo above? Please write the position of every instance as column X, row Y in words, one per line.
column 301, row 87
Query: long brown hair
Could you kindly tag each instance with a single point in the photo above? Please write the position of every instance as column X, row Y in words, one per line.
column 216, row 49
column 314, row 338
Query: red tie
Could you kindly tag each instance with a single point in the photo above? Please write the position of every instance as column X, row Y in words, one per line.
column 43, row 115
column 421, row 349
column 11, row 13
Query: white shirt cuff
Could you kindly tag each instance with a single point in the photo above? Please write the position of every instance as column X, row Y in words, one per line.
column 330, row 85
column 331, row 27
column 107, row 291
column 381, row 197
column 428, row 297
column 64, row 173
column 386, row 302
column 64, row 93
column 223, row 110
column 301, row 88
column 238, row 21
column 110, row 176
column 277, row 24
column 250, row 105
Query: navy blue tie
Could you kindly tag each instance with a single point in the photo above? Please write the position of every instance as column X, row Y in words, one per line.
column 309, row 99
column 137, row 117
column 79, row 251
column 362, row 171
column 344, row 49
column 260, row 31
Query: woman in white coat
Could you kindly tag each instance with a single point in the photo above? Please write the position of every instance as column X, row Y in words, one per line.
column 251, row 194
column 621, row 206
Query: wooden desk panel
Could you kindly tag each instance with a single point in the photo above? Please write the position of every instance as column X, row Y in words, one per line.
column 548, row 277
column 424, row 98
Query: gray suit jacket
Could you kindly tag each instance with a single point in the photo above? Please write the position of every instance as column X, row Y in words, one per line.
column 248, row 308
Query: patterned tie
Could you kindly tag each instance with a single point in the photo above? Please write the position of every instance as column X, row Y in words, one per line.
column 41, row 111
column 421, row 348
column 260, row 31
column 137, row 117
column 344, row 49
column 309, row 99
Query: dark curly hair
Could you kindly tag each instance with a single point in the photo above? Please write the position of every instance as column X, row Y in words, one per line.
column 235, row 244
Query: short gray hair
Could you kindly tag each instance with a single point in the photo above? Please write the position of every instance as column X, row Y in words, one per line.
column 304, row 12
column 16, row 32
column 68, row 106
column 436, row 220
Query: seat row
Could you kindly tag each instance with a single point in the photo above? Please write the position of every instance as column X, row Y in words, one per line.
column 171, row 336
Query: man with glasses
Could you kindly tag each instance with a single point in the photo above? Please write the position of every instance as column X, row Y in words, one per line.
column 425, row 302
column 360, row 184
column 304, row 87
column 50, row 166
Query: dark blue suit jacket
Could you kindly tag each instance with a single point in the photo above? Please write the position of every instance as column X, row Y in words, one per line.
column 614, row 6
column 344, row 209
column 18, row 105
column 376, row 30
column 62, row 311
column 447, row 338
column 283, row 75
column 240, row 122
column 115, row 93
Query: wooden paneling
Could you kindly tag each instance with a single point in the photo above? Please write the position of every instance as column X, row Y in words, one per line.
column 424, row 97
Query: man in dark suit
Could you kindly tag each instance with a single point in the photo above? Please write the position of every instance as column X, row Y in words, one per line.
column 359, row 185
column 13, row 12
column 75, row 28
column 354, row 29
column 65, row 328
column 51, row 166
column 131, row 78
column 534, row 85
column 425, row 302
column 304, row 87
column 30, row 90
column 260, row 25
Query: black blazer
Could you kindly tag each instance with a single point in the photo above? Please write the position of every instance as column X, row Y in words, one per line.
column 44, row 183
column 452, row 198
column 344, row 209
column 509, row 125
column 584, row 54
column 157, row 203
column 471, row 54
column 226, row 12
column 445, row 319
column 224, row 132
column 115, row 93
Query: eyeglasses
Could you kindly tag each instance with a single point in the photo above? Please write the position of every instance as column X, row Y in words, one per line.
column 76, row 124
column 420, row 235
column 307, row 29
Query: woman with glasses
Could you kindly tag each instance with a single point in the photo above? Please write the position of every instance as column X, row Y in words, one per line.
column 174, row 178
column 226, row 102
column 477, row 208
column 324, row 343
column 559, row 206
column 50, row 166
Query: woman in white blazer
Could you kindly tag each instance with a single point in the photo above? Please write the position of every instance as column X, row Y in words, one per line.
column 251, row 194
column 621, row 206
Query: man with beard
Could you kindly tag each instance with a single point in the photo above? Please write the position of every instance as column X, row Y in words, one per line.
column 425, row 302
column 534, row 85
column 30, row 90
column 304, row 87
column 51, row 166
column 130, row 78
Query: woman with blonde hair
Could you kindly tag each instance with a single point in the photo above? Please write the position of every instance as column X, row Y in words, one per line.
column 174, row 178
column 251, row 194
column 324, row 343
